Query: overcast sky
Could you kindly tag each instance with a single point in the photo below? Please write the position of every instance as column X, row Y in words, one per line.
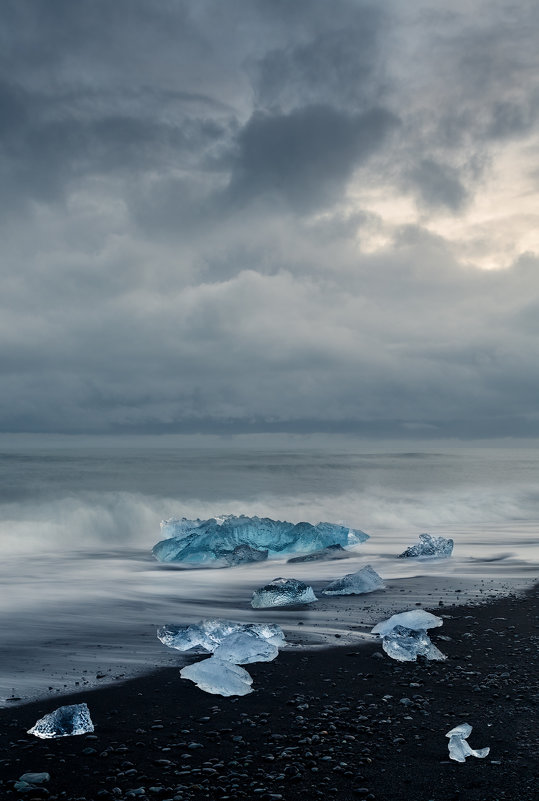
column 258, row 215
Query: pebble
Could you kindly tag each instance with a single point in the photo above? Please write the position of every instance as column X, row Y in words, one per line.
column 35, row 778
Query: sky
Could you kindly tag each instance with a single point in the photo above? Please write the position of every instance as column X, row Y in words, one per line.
column 225, row 216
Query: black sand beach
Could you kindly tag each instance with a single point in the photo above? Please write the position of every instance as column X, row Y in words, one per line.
column 335, row 723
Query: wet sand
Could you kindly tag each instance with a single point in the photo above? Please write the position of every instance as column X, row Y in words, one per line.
column 331, row 722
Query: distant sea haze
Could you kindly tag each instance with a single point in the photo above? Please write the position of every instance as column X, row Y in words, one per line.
column 74, row 495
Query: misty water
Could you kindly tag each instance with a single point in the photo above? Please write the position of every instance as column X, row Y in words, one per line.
column 82, row 596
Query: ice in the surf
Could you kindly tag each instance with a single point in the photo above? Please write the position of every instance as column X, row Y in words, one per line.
column 364, row 580
column 205, row 636
column 283, row 592
column 231, row 539
column 329, row 553
column 429, row 547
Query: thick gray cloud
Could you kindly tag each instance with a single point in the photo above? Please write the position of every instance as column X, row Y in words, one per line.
column 307, row 156
column 268, row 216
column 437, row 184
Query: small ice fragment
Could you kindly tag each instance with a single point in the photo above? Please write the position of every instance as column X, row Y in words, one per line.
column 219, row 677
column 231, row 539
column 243, row 648
column 415, row 619
column 459, row 749
column 331, row 552
column 429, row 546
column 205, row 636
column 64, row 722
column 405, row 645
column 283, row 592
column 364, row 580
column 404, row 636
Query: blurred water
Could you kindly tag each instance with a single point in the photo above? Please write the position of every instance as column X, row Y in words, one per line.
column 82, row 594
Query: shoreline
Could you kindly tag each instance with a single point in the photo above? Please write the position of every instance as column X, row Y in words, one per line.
column 65, row 648
column 324, row 722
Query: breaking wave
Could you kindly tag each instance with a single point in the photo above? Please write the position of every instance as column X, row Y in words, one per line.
column 118, row 519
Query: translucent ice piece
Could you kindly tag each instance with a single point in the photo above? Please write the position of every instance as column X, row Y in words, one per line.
column 204, row 637
column 283, row 592
column 429, row 546
column 462, row 730
column 331, row 552
column 405, row 645
column 219, row 677
column 214, row 542
column 63, row 722
column 415, row 619
column 243, row 649
column 364, row 580
column 459, row 748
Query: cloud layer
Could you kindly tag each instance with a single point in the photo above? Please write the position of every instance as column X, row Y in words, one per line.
column 269, row 216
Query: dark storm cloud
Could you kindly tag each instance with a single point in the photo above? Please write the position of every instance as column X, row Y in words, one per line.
column 46, row 144
column 184, row 245
column 307, row 156
column 341, row 62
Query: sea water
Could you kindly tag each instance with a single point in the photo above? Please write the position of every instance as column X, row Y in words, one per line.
column 81, row 596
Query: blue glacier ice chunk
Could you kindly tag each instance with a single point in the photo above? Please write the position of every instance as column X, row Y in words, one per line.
column 283, row 592
column 415, row 619
column 204, row 637
column 219, row 677
column 459, row 749
column 243, row 648
column 429, row 547
column 404, row 636
column 364, row 580
column 215, row 542
column 405, row 645
column 63, row 722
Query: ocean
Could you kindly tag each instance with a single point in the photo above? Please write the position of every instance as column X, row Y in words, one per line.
column 82, row 595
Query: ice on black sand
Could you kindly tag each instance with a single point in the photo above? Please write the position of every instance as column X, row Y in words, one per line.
column 64, row 722
column 283, row 592
column 219, row 677
column 242, row 648
column 232, row 644
column 404, row 636
column 459, row 749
